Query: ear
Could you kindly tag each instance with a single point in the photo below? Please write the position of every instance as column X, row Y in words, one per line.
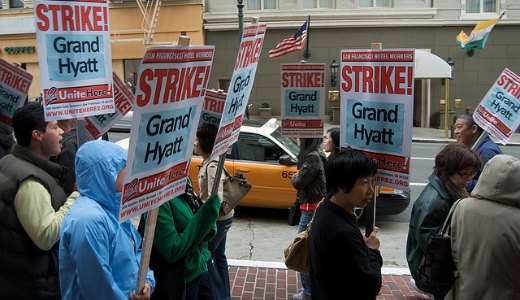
column 37, row 135
column 474, row 129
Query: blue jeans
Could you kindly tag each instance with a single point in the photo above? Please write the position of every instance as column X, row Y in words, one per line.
column 306, row 281
column 200, row 288
column 220, row 272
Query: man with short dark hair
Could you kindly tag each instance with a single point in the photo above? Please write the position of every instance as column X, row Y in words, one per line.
column 467, row 133
column 32, row 207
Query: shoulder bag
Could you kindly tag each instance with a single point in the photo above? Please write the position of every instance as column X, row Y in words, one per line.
column 294, row 213
column 297, row 255
column 437, row 267
column 236, row 188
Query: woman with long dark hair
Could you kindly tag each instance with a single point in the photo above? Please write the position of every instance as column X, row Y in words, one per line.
column 310, row 183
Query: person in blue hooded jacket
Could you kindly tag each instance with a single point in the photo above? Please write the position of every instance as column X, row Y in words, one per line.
column 99, row 257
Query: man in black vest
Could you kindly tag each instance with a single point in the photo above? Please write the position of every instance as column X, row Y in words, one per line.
column 32, row 207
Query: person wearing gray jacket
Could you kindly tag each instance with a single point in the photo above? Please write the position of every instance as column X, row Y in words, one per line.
column 484, row 235
column 310, row 183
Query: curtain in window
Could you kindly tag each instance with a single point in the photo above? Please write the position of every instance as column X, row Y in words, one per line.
column 269, row 4
column 490, row 6
column 310, row 3
column 473, row 6
column 365, row 3
column 383, row 3
column 253, row 4
column 326, row 3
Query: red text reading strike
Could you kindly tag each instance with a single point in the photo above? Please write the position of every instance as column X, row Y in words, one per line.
column 510, row 85
column 303, row 79
column 378, row 79
column 71, row 18
column 173, row 84
column 249, row 53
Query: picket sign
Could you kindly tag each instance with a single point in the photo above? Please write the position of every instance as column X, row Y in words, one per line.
column 222, row 157
column 151, row 220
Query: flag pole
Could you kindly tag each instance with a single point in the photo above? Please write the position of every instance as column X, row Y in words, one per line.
column 307, row 53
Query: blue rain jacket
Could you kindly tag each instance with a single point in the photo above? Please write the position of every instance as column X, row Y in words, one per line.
column 99, row 258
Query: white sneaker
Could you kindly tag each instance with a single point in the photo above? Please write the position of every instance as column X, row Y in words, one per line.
column 300, row 296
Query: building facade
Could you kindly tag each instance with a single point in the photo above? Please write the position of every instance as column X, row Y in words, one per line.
column 430, row 25
column 134, row 26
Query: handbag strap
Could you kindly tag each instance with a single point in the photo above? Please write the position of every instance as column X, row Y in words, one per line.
column 224, row 169
column 447, row 223
column 312, row 219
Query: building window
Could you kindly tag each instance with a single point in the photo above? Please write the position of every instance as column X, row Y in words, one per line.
column 16, row 4
column 131, row 69
column 375, row 3
column 317, row 3
column 261, row 4
column 481, row 6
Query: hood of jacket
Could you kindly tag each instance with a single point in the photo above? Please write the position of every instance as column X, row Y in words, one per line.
column 499, row 181
column 97, row 165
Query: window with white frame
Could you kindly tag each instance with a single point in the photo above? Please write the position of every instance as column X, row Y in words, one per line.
column 261, row 4
column 481, row 6
column 317, row 3
column 375, row 3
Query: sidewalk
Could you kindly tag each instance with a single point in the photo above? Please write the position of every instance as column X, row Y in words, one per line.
column 265, row 280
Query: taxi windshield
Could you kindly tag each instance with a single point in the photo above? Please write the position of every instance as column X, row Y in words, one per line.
column 288, row 142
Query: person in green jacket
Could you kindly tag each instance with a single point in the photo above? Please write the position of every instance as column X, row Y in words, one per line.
column 180, row 248
column 455, row 165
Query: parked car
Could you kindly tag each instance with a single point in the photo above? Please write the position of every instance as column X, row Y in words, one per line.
column 125, row 123
column 268, row 160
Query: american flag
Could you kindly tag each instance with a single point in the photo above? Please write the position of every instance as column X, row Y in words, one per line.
column 291, row 44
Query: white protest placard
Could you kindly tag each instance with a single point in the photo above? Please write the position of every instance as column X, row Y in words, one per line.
column 14, row 86
column 98, row 125
column 74, row 53
column 213, row 107
column 168, row 101
column 377, row 109
column 498, row 112
column 240, row 87
column 303, row 100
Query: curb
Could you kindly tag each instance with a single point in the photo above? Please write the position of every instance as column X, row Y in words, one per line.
column 445, row 140
column 279, row 265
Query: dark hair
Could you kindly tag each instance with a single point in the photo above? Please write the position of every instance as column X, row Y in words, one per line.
column 346, row 167
column 26, row 119
column 308, row 145
column 206, row 136
column 468, row 121
column 334, row 135
column 454, row 158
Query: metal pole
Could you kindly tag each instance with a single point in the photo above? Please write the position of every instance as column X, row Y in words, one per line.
column 218, row 174
column 446, row 107
column 240, row 7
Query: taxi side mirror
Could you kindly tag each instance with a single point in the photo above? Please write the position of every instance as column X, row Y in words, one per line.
column 286, row 160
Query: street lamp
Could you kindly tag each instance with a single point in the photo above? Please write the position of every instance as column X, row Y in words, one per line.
column 240, row 6
column 447, row 97
column 334, row 67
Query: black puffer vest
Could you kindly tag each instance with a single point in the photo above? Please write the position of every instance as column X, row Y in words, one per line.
column 26, row 271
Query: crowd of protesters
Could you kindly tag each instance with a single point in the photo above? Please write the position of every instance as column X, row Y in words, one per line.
column 60, row 236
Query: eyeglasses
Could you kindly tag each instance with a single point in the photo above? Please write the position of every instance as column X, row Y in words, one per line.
column 469, row 174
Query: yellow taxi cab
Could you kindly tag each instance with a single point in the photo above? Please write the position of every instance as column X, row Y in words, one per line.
column 268, row 160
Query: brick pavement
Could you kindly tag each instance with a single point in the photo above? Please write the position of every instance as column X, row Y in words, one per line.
column 254, row 282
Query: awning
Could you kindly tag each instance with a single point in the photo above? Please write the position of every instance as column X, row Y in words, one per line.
column 429, row 65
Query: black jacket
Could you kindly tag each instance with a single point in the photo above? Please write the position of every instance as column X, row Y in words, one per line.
column 342, row 266
column 310, row 178
column 26, row 272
